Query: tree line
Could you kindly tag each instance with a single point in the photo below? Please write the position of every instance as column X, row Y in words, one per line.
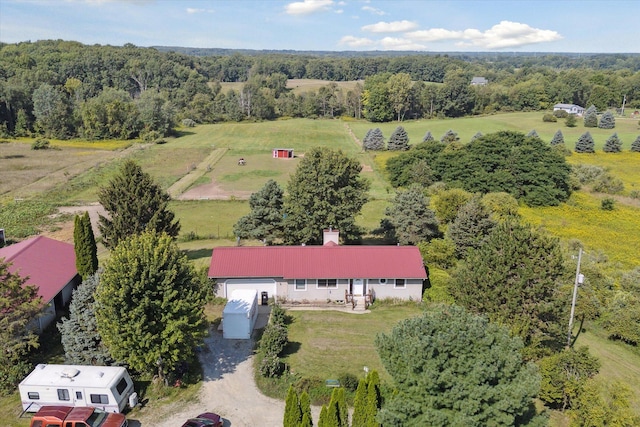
column 65, row 89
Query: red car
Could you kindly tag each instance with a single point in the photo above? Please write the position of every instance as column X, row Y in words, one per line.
column 207, row 419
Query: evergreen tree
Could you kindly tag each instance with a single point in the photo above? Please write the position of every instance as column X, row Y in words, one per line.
column 452, row 367
column 343, row 410
column 292, row 413
column 323, row 420
column 374, row 140
column 449, row 136
column 585, row 144
column 19, row 305
column 135, row 204
column 513, row 279
column 333, row 411
column 325, row 191
column 265, row 221
column 399, row 140
column 471, row 227
column 359, row 418
column 409, row 220
column 613, row 144
column 476, row 136
column 85, row 246
column 558, row 138
column 150, row 304
column 635, row 145
column 533, row 134
column 607, row 121
column 428, row 137
column 373, row 399
column 80, row 337
column 305, row 409
column 591, row 117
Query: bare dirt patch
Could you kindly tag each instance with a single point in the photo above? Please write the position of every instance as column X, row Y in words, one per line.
column 213, row 191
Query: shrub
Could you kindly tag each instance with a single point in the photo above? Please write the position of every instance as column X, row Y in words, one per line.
column 635, row 194
column 549, row 118
column 271, row 366
column 607, row 204
column 561, row 114
column 188, row 123
column 348, row 381
column 608, row 184
column 571, row 121
column 274, row 339
column 40, row 144
column 151, row 136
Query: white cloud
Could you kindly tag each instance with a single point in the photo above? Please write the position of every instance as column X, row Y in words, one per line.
column 390, row 27
column 502, row 35
column 194, row 10
column 373, row 10
column 392, row 43
column 306, row 7
column 352, row 41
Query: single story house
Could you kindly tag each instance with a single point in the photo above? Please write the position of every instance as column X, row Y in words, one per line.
column 315, row 273
column 479, row 81
column 569, row 108
column 48, row 264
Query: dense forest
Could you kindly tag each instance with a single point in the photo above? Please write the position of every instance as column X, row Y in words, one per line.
column 64, row 89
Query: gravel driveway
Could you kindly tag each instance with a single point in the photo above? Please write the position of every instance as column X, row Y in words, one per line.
column 228, row 388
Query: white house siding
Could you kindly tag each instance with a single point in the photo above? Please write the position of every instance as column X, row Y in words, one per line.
column 314, row 293
column 226, row 286
column 412, row 290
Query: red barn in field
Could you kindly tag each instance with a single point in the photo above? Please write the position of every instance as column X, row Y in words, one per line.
column 283, row 153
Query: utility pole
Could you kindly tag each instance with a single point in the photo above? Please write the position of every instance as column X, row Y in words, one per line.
column 579, row 280
column 624, row 101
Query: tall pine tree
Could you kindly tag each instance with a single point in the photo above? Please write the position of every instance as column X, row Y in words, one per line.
column 292, row 413
column 635, row 145
column 558, row 138
column 305, row 409
column 135, row 203
column 607, row 121
column 85, row 246
column 265, row 221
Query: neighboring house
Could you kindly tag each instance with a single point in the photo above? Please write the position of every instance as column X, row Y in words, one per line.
column 569, row 108
column 479, row 81
column 330, row 272
column 48, row 264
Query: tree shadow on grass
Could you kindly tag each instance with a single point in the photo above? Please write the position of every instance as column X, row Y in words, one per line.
column 194, row 254
column 292, row 347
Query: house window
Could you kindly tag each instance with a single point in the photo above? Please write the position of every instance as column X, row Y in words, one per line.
column 383, row 281
column 122, row 386
column 400, row 283
column 327, row 283
column 63, row 394
column 33, row 395
column 300, row 285
column 99, row 398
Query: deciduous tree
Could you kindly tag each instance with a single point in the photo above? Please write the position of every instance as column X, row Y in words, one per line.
column 451, row 367
column 19, row 305
column 149, row 304
column 325, row 191
column 134, row 203
column 85, row 247
column 265, row 221
column 81, row 339
column 399, row 86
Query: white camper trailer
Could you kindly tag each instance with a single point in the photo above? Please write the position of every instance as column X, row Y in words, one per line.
column 106, row 387
column 240, row 314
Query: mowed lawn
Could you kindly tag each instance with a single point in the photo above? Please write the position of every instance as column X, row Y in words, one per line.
column 325, row 344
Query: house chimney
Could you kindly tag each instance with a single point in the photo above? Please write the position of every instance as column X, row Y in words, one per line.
column 330, row 236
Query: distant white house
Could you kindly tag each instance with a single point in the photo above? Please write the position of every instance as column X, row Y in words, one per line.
column 569, row 108
column 479, row 81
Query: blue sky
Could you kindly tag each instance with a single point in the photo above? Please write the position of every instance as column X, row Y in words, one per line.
column 332, row 25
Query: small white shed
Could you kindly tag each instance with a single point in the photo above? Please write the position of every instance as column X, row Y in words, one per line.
column 240, row 314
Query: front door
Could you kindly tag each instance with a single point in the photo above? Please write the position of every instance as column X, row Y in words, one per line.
column 358, row 287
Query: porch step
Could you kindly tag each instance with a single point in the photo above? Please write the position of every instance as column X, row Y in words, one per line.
column 360, row 303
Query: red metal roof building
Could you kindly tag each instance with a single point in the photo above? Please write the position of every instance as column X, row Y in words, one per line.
column 48, row 264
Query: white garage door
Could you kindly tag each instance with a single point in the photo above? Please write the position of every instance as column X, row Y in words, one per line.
column 268, row 285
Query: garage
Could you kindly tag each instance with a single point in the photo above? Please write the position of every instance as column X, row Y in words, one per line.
column 260, row 285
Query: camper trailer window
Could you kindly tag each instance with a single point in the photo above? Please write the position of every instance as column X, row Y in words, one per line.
column 99, row 398
column 33, row 395
column 122, row 386
column 79, row 395
column 63, row 394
